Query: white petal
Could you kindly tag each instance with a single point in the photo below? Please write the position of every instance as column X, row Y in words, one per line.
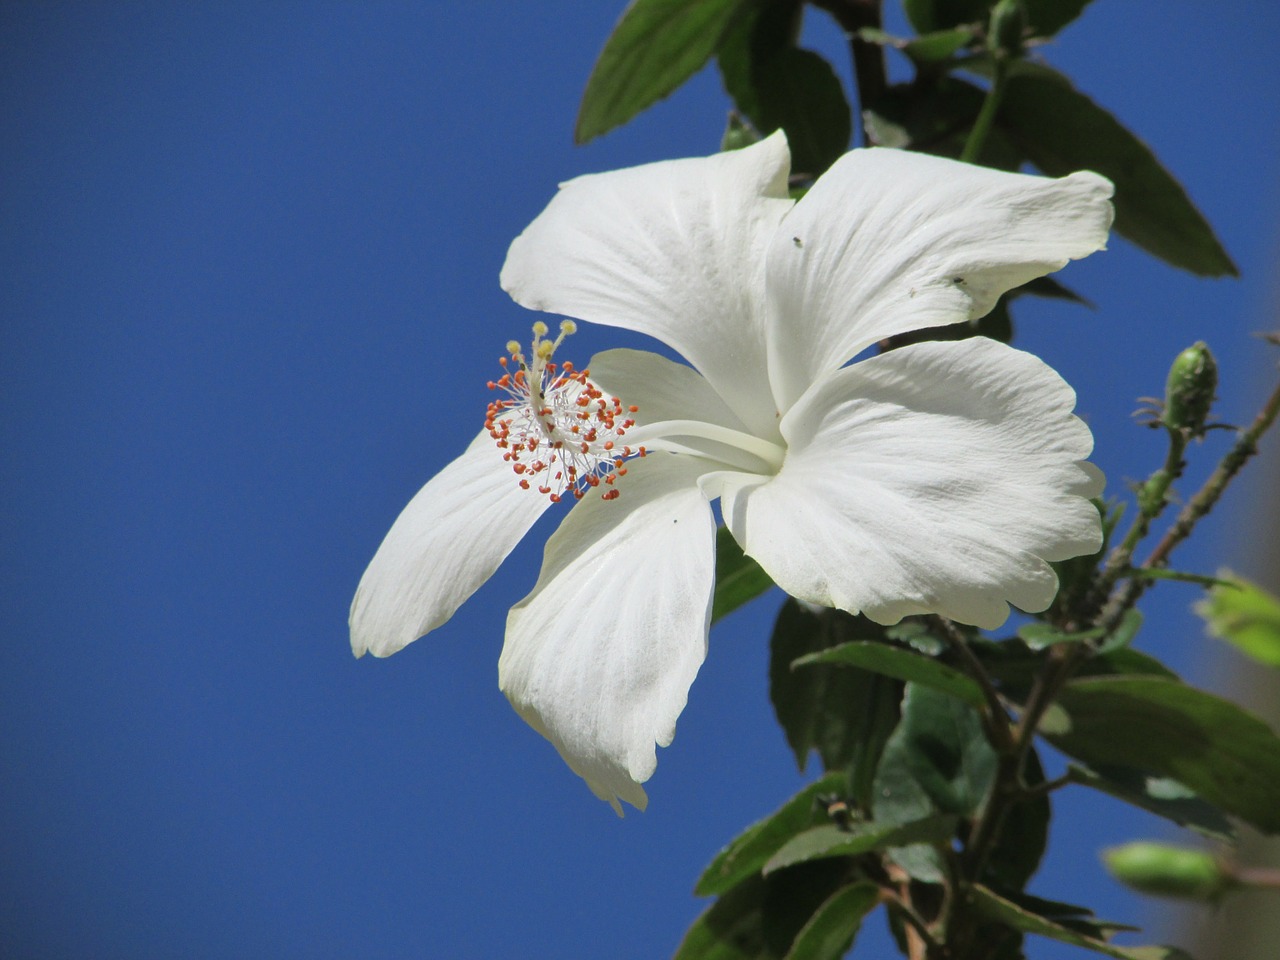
column 674, row 250
column 938, row 478
column 449, row 540
column 600, row 656
column 888, row 242
column 662, row 389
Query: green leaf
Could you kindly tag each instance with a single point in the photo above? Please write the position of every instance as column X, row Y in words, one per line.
column 937, row 761
column 1041, row 636
column 1159, row 795
column 998, row 909
column 1047, row 17
column 901, row 665
column 944, row 747
column 1224, row 754
column 738, row 577
column 656, row 46
column 843, row 713
column 744, row 857
column 935, row 116
column 830, row 932
column 1123, row 633
column 779, row 86
column 761, row 917
column 1061, row 130
column 830, row 840
column 930, row 16
column 1022, row 840
column 926, row 49
column 1246, row 616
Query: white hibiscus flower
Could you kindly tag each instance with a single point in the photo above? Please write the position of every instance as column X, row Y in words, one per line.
column 936, row 478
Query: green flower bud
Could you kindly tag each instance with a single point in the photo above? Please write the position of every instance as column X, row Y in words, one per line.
column 1190, row 390
column 1008, row 24
column 1167, row 871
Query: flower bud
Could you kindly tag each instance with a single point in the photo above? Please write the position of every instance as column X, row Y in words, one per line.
column 1167, row 871
column 1190, row 389
column 1008, row 23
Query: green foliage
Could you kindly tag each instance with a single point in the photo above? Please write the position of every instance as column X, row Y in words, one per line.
column 901, row 665
column 780, row 86
column 762, row 917
column 1160, row 795
column 656, row 47
column 746, row 855
column 1224, row 754
column 1061, row 130
column 738, row 577
column 929, row 799
column 831, row 840
column 1246, row 616
column 831, row 930
column 844, row 713
column 1067, row 929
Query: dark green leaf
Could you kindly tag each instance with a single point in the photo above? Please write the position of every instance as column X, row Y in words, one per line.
column 936, row 117
column 779, row 86
column 1047, row 17
column 1014, row 666
column 738, row 577
column 1000, row 910
column 1246, row 616
column 1124, row 632
column 930, row 16
column 1022, row 841
column 937, row 760
column 656, row 46
column 1061, row 130
column 1224, row 754
column 945, row 748
column 830, row 932
column 760, row 918
column 744, row 857
column 901, row 665
column 829, row 840
column 1050, row 288
column 926, row 49
column 844, row 713
column 1161, row 796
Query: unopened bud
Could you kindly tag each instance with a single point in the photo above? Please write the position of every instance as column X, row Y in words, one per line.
column 1008, row 24
column 1190, row 390
column 1167, row 871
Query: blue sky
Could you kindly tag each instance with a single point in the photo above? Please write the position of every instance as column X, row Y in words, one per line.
column 248, row 282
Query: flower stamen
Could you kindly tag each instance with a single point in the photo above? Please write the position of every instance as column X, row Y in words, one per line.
column 559, row 431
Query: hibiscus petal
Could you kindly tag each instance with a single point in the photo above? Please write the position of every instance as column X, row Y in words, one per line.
column 600, row 655
column 661, row 389
column 674, row 250
column 449, row 540
column 938, row 478
column 888, row 242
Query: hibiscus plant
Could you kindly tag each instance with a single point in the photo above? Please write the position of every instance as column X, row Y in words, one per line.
column 838, row 412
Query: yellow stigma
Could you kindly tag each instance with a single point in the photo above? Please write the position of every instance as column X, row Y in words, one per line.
column 513, row 347
column 544, row 349
column 539, row 329
column 568, row 327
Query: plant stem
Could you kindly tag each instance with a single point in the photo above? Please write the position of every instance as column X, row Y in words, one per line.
column 1196, row 509
column 998, row 726
column 987, row 115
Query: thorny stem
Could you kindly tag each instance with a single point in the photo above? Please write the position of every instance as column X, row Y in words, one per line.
column 1195, row 510
column 1152, row 500
column 868, row 58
